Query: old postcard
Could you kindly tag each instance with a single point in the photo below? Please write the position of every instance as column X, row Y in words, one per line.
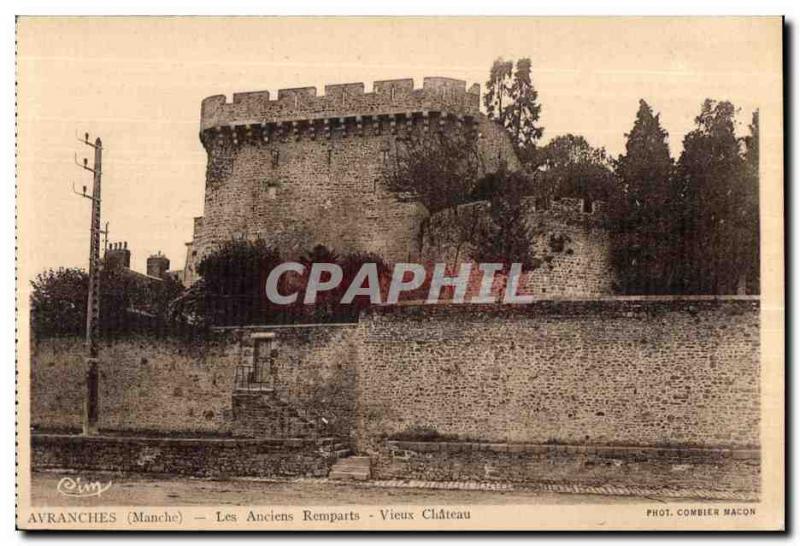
column 503, row 273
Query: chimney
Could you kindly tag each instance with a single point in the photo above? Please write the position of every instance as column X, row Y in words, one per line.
column 157, row 265
column 118, row 255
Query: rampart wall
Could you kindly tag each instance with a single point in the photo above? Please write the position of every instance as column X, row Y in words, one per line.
column 616, row 371
column 653, row 371
column 175, row 386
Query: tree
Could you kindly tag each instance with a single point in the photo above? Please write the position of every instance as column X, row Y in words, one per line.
column 233, row 289
column 511, row 100
column 717, row 237
column 128, row 302
column 750, row 213
column 524, row 110
column 508, row 237
column 498, row 88
column 439, row 169
column 569, row 167
column 751, row 145
column 326, row 302
column 58, row 302
column 639, row 217
column 351, row 265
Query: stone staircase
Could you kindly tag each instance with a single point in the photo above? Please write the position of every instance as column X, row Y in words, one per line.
column 351, row 468
column 259, row 412
column 340, row 449
column 264, row 414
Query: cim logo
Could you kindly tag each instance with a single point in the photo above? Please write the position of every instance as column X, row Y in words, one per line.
column 74, row 487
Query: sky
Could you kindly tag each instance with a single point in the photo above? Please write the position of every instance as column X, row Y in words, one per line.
column 138, row 83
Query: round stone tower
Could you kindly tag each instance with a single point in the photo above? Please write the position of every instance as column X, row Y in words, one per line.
column 304, row 169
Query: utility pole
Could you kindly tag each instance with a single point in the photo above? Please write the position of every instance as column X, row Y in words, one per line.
column 105, row 233
column 91, row 403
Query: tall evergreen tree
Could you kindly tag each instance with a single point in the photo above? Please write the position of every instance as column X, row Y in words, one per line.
column 498, row 88
column 717, row 231
column 750, row 211
column 751, row 145
column 512, row 101
column 640, row 219
column 522, row 114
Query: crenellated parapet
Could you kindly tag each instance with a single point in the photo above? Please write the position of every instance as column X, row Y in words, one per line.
column 561, row 212
column 344, row 109
column 568, row 211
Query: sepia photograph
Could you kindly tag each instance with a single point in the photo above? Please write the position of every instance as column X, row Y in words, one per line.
column 400, row 273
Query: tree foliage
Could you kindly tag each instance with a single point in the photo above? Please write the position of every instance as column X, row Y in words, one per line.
column 512, row 100
column 58, row 302
column 750, row 215
column 128, row 303
column 498, row 89
column 568, row 166
column 233, row 284
column 508, row 237
column 439, row 169
column 639, row 217
column 232, row 290
column 689, row 227
column 717, row 207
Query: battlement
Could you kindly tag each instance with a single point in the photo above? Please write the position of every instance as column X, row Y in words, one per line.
column 567, row 210
column 446, row 97
column 568, row 206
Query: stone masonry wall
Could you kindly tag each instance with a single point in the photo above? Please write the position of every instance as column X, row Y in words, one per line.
column 575, row 251
column 621, row 371
column 314, row 370
column 145, row 384
column 298, row 194
column 209, row 457
column 711, row 469
column 616, row 371
column 165, row 385
column 571, row 248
